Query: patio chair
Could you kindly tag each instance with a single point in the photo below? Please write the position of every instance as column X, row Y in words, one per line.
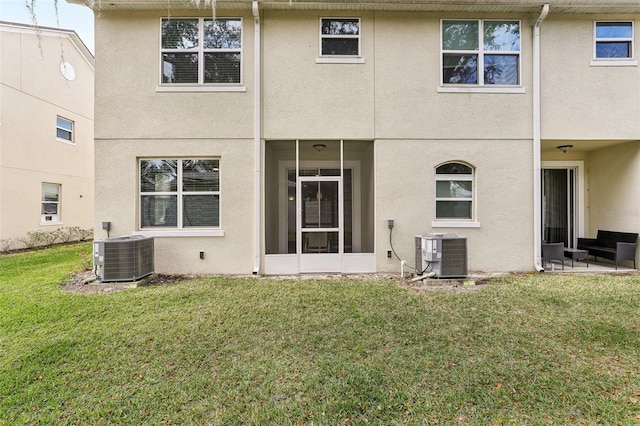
column 553, row 251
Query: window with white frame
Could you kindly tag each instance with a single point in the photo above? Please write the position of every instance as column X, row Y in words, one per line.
column 481, row 52
column 340, row 36
column 64, row 129
column 50, row 203
column 454, row 191
column 614, row 40
column 180, row 193
column 198, row 51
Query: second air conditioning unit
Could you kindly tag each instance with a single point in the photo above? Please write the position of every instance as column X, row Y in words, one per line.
column 127, row 258
column 444, row 255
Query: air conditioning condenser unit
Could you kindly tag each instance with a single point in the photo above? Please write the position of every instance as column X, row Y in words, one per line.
column 443, row 254
column 127, row 258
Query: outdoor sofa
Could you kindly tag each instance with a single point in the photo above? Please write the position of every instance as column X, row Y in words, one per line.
column 611, row 245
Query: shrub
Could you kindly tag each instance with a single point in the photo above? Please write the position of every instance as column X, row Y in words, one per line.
column 49, row 238
column 32, row 239
column 7, row 244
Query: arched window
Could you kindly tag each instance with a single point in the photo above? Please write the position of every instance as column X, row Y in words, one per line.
column 454, row 191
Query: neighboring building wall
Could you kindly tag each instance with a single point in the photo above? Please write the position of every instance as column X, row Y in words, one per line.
column 34, row 93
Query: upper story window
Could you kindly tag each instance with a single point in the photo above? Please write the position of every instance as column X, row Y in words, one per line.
column 614, row 40
column 50, row 204
column 481, row 52
column 340, row 37
column 454, row 191
column 199, row 51
column 64, row 129
column 180, row 193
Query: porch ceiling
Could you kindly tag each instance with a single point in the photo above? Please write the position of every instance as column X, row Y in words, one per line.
column 491, row 6
column 580, row 146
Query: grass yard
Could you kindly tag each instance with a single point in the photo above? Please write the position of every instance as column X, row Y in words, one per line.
column 531, row 349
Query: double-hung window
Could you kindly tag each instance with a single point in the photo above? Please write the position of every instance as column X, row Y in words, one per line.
column 480, row 52
column 340, row 36
column 614, row 40
column 454, row 191
column 50, row 204
column 200, row 51
column 180, row 193
column 64, row 129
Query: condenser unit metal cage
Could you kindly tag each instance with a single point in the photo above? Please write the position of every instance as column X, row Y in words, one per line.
column 443, row 254
column 127, row 258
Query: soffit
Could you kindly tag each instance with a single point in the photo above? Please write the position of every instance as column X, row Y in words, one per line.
column 472, row 6
column 580, row 145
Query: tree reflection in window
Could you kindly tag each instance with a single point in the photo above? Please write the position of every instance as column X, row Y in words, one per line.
column 454, row 191
column 180, row 193
column 493, row 47
column 217, row 59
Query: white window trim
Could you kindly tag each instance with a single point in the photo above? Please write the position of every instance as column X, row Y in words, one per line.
column 611, row 63
column 50, row 223
column 179, row 230
column 72, row 141
column 448, row 222
column 454, row 224
column 480, row 87
column 201, row 86
column 625, row 62
column 55, row 218
column 340, row 59
column 179, row 233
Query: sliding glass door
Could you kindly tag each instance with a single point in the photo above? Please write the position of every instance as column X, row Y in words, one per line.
column 559, row 206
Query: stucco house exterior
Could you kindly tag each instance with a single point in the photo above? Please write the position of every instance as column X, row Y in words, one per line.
column 283, row 136
column 46, row 131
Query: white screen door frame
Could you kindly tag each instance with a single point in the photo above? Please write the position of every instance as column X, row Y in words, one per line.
column 320, row 240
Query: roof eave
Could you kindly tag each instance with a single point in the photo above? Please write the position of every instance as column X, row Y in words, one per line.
column 526, row 6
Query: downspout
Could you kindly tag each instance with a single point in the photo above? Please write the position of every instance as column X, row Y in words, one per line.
column 257, row 121
column 537, row 192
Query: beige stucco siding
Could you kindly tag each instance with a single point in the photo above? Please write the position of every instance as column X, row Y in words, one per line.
column 117, row 184
column 405, row 192
column 393, row 94
column 614, row 186
column 128, row 74
column 579, row 100
column 305, row 99
column 407, row 70
column 34, row 93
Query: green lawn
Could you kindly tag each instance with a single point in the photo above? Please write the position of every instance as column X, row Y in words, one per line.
column 531, row 349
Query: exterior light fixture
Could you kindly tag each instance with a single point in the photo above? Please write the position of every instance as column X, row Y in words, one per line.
column 319, row 146
column 564, row 148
